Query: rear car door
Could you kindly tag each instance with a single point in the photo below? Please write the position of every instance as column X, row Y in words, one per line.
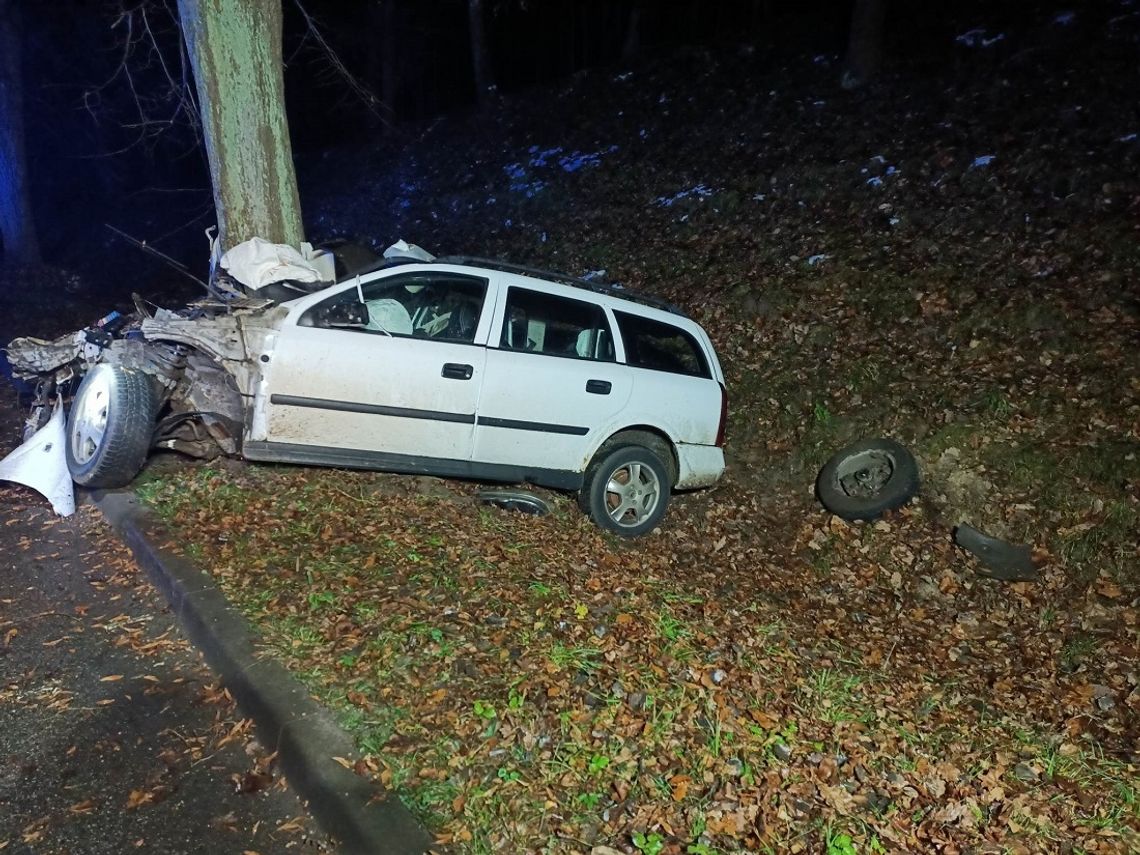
column 551, row 381
column 404, row 383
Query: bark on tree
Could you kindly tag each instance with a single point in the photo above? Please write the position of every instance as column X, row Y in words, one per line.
column 235, row 49
column 865, row 45
column 17, row 229
column 480, row 56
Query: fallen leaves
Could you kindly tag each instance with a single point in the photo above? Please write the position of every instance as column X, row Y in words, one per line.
column 250, row 782
column 758, row 667
column 84, row 807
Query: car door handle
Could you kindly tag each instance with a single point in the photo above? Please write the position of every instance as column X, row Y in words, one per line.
column 457, row 371
column 599, row 387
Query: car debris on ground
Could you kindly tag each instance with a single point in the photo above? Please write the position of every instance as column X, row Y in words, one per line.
column 1000, row 559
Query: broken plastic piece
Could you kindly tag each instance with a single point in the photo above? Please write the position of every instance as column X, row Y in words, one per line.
column 41, row 464
column 403, row 249
column 1007, row 561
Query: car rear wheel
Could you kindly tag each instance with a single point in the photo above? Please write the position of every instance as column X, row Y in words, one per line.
column 626, row 490
column 110, row 425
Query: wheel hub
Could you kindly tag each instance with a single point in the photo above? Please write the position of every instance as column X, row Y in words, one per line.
column 864, row 475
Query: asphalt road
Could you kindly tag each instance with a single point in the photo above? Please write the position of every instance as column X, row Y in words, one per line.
column 114, row 737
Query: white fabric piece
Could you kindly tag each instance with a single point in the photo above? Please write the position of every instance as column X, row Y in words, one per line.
column 388, row 315
column 584, row 346
column 41, row 464
column 403, row 249
column 256, row 263
column 321, row 259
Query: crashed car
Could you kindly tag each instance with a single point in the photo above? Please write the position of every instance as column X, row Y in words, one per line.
column 454, row 367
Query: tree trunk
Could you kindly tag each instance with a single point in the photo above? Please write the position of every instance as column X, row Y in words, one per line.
column 480, row 58
column 235, row 49
column 17, row 229
column 865, row 47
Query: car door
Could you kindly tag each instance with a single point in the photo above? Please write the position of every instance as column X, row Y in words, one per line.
column 551, row 381
column 401, row 381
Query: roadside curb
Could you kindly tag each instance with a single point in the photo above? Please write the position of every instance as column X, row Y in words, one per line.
column 363, row 817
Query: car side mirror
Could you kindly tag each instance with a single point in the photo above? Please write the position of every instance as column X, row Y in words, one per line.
column 351, row 314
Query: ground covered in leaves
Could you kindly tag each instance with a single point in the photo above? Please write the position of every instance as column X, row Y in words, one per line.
column 949, row 258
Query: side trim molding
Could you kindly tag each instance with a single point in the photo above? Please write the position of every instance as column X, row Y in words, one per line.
column 430, row 415
column 542, row 427
column 371, row 409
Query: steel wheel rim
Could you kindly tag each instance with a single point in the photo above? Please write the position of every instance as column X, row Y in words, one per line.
column 866, row 474
column 89, row 418
column 633, row 492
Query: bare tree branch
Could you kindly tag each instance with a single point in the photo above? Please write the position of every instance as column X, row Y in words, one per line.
column 338, row 68
column 150, row 31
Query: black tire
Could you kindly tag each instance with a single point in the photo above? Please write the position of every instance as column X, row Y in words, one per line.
column 110, row 426
column 867, row 479
column 620, row 467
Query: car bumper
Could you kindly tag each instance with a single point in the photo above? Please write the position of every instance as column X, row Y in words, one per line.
column 698, row 465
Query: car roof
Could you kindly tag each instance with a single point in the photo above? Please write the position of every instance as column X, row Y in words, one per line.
column 607, row 289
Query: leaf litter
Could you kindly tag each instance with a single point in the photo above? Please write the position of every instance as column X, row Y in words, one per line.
column 759, row 675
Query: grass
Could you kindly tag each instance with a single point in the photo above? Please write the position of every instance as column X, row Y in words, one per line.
column 421, row 670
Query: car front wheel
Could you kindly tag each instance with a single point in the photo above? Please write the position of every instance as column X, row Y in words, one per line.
column 627, row 490
column 110, row 425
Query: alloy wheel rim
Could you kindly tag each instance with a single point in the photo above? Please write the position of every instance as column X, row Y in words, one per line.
column 633, row 492
column 89, row 423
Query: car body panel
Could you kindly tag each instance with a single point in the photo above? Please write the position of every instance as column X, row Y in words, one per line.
column 537, row 410
column 371, row 392
column 532, row 413
column 698, row 465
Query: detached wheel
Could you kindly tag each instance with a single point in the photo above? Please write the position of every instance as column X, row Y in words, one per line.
column 866, row 479
column 110, row 425
column 626, row 490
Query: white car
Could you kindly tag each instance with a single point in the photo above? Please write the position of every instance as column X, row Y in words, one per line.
column 454, row 367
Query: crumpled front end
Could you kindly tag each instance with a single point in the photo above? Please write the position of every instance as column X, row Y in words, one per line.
column 31, row 357
column 203, row 361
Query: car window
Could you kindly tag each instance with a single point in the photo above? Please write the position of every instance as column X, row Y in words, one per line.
column 445, row 307
column 660, row 346
column 556, row 326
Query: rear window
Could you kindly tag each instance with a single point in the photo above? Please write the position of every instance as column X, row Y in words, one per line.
column 660, row 346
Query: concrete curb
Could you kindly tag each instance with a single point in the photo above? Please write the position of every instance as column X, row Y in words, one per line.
column 364, row 818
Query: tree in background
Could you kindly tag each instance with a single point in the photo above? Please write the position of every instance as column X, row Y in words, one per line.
column 235, row 49
column 865, row 45
column 17, row 229
column 384, row 67
column 631, row 44
column 480, row 53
